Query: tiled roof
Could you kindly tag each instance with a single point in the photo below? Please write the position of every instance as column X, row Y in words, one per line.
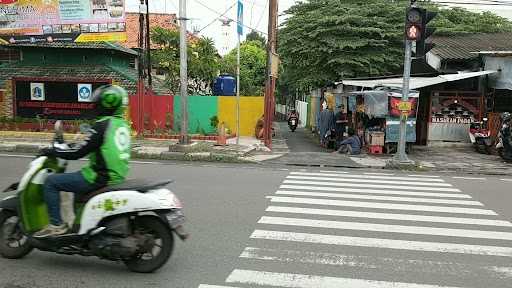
column 166, row 21
column 125, row 77
column 72, row 45
column 460, row 47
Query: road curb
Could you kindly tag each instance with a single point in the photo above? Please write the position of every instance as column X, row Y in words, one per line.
column 178, row 156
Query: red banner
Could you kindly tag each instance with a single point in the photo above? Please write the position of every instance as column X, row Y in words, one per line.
column 394, row 103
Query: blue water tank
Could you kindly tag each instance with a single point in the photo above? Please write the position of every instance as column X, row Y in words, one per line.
column 225, row 85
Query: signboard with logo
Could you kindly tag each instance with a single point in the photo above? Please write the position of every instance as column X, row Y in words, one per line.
column 84, row 92
column 62, row 100
column 37, row 91
column 62, row 20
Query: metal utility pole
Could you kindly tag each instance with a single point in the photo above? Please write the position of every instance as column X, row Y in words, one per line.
column 148, row 47
column 184, row 139
column 240, row 29
column 270, row 82
column 238, row 92
column 140, row 66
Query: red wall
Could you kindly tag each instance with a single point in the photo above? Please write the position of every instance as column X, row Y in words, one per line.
column 156, row 108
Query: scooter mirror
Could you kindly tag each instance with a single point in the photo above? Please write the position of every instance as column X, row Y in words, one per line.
column 84, row 128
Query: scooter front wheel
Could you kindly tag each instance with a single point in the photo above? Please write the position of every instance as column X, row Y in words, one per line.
column 158, row 249
column 13, row 243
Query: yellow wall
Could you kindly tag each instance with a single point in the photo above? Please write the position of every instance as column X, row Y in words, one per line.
column 251, row 109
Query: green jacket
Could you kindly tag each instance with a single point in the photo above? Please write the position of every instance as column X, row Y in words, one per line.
column 108, row 149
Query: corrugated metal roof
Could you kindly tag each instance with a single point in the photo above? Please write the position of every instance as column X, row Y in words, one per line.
column 462, row 47
column 416, row 82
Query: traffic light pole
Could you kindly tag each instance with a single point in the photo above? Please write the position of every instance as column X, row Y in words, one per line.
column 401, row 156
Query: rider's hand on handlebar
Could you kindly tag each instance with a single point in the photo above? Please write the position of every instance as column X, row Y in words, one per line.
column 47, row 151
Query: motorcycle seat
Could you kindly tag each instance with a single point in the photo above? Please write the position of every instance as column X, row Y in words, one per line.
column 140, row 185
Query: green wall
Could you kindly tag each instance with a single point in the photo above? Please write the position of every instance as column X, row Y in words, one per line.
column 200, row 110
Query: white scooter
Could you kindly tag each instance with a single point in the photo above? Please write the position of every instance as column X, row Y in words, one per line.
column 132, row 222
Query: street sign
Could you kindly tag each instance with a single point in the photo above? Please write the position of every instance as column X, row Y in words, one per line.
column 240, row 18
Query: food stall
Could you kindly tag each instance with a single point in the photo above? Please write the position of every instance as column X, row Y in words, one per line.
column 375, row 115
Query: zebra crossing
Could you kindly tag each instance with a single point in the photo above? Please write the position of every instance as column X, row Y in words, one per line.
column 330, row 229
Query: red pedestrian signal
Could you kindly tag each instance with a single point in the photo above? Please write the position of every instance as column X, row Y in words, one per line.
column 413, row 33
column 413, row 24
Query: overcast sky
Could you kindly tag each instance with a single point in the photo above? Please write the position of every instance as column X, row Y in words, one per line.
column 203, row 12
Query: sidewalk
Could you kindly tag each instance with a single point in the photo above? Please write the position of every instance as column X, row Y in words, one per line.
column 443, row 159
column 32, row 142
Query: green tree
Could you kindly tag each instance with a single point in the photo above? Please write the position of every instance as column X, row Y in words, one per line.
column 203, row 60
column 326, row 40
column 253, row 63
column 255, row 36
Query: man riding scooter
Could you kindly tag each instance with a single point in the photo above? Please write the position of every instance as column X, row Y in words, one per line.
column 108, row 147
column 293, row 120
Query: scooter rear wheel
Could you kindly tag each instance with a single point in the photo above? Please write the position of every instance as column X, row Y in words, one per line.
column 159, row 251
column 13, row 243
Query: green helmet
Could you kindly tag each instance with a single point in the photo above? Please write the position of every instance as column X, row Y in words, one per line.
column 111, row 100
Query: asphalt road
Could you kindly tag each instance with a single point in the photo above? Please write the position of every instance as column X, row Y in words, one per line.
column 256, row 226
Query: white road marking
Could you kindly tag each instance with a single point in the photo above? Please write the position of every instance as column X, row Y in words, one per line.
column 383, row 198
column 376, row 191
column 143, row 162
column 379, row 263
column 327, row 171
column 386, row 228
column 363, row 185
column 214, row 286
column 382, row 243
column 262, row 278
column 424, row 176
column 469, row 178
column 392, row 206
column 508, row 180
column 389, row 216
column 381, row 174
column 365, row 181
column 360, row 176
column 17, row 156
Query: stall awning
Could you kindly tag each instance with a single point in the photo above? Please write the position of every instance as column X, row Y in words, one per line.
column 416, row 82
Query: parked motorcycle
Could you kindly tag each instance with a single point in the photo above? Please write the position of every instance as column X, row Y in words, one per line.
column 504, row 147
column 293, row 122
column 133, row 222
column 480, row 137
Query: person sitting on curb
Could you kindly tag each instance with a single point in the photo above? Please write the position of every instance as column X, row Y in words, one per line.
column 351, row 145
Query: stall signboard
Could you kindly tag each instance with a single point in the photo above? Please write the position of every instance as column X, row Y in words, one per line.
column 396, row 106
column 393, row 130
column 60, row 100
column 33, row 21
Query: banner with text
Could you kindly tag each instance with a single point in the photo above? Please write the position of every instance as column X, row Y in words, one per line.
column 48, row 20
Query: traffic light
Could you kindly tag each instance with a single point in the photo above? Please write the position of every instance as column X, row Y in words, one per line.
column 413, row 22
column 423, row 45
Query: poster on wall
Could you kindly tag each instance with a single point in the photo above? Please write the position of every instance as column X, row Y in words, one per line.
column 32, row 21
column 37, row 91
column 84, row 92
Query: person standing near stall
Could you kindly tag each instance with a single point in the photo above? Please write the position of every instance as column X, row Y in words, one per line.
column 341, row 121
